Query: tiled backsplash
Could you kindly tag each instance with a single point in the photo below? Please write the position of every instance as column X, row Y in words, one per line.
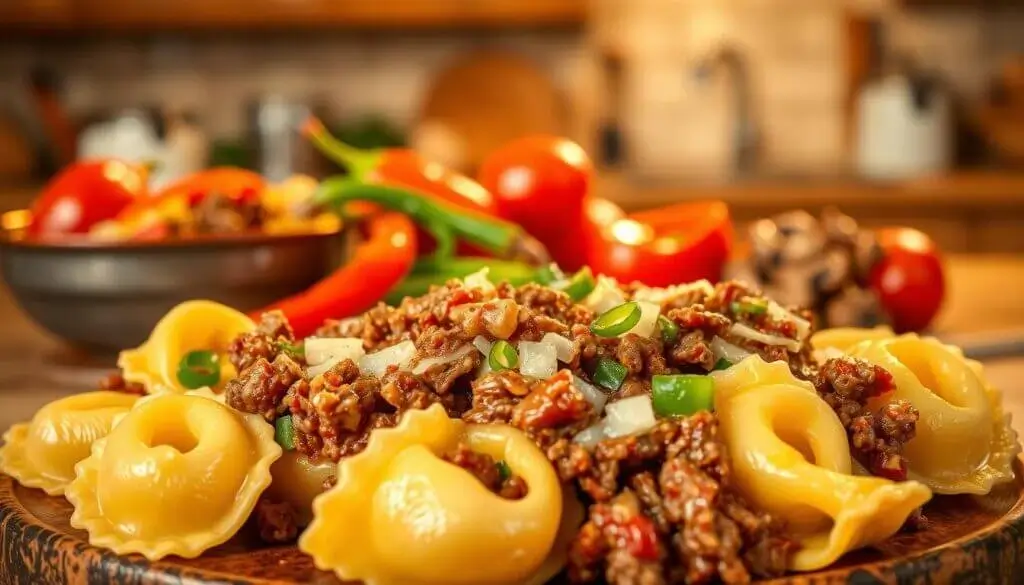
column 674, row 126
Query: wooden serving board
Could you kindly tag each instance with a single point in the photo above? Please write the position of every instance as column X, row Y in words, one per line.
column 970, row 540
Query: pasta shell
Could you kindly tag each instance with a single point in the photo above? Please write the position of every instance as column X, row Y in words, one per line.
column 844, row 338
column 399, row 514
column 791, row 459
column 172, row 453
column 190, row 326
column 297, row 480
column 43, row 452
column 964, row 442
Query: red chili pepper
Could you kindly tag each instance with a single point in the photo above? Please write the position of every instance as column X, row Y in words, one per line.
column 84, row 194
column 541, row 183
column 378, row 264
column 660, row 247
column 402, row 167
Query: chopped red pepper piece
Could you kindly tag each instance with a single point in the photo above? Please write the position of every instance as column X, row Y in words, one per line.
column 660, row 247
column 378, row 264
column 641, row 538
column 84, row 194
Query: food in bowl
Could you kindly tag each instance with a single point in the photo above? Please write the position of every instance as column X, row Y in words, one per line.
column 691, row 434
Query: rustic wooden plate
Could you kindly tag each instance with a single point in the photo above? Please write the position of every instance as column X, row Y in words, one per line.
column 970, row 540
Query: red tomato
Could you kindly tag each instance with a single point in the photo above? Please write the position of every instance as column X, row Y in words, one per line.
column 909, row 279
column 84, row 194
column 229, row 181
column 541, row 182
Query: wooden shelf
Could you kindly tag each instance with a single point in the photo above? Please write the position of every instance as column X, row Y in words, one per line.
column 142, row 16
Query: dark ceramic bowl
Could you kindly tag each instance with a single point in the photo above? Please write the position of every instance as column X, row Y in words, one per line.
column 109, row 296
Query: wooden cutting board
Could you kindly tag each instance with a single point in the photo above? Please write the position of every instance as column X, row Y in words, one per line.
column 480, row 102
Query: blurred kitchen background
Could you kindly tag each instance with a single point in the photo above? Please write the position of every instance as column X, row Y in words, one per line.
column 903, row 112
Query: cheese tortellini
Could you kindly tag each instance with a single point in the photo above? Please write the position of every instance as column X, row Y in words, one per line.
column 190, row 326
column 178, row 474
column 42, row 453
column 791, row 459
column 297, row 480
column 399, row 514
column 964, row 442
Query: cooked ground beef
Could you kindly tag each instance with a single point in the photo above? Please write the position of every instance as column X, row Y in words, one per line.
column 496, row 476
column 662, row 505
column 876, row 437
column 115, row 381
column 275, row 521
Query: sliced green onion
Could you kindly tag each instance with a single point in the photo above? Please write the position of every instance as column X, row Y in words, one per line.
column 284, row 432
column 549, row 274
column 199, row 368
column 749, row 307
column 669, row 330
column 581, row 284
column 682, row 394
column 609, row 374
column 722, row 364
column 294, row 350
column 617, row 320
column 503, row 356
column 504, row 471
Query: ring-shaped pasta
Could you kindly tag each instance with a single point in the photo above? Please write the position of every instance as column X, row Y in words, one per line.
column 964, row 442
column 190, row 326
column 843, row 338
column 172, row 453
column 399, row 514
column 43, row 452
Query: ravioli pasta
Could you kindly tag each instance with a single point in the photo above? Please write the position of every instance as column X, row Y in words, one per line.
column 964, row 442
column 791, row 459
column 43, row 452
column 399, row 514
column 190, row 326
column 172, row 453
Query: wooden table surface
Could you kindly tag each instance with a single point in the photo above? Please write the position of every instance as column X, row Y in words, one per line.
column 984, row 295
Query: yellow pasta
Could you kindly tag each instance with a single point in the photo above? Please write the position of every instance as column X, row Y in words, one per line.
column 43, row 452
column 399, row 514
column 190, row 326
column 178, row 474
column 297, row 480
column 842, row 339
column 964, row 442
column 791, row 459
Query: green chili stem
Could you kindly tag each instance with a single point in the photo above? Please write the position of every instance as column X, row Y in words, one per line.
column 494, row 235
column 429, row 271
column 356, row 161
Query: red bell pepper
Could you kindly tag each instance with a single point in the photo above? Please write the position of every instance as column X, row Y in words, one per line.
column 660, row 247
column 401, row 167
column 231, row 182
column 84, row 194
column 379, row 263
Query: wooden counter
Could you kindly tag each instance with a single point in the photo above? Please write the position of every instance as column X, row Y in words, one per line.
column 983, row 297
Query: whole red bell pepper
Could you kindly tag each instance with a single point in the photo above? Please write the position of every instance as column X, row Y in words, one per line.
column 660, row 247
column 84, row 194
column 402, row 167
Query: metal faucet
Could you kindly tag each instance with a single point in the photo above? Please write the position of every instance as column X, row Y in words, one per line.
column 746, row 135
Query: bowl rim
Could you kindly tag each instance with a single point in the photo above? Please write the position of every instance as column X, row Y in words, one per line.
column 14, row 239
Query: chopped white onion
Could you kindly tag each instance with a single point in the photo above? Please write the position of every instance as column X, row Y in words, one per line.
column 592, row 393
column 606, row 295
column 660, row 295
column 723, row 349
column 377, row 363
column 537, row 359
column 479, row 280
column 563, row 346
column 648, row 322
column 777, row 312
column 629, row 416
column 428, row 363
column 480, row 342
column 322, row 353
column 748, row 332
column 590, row 436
